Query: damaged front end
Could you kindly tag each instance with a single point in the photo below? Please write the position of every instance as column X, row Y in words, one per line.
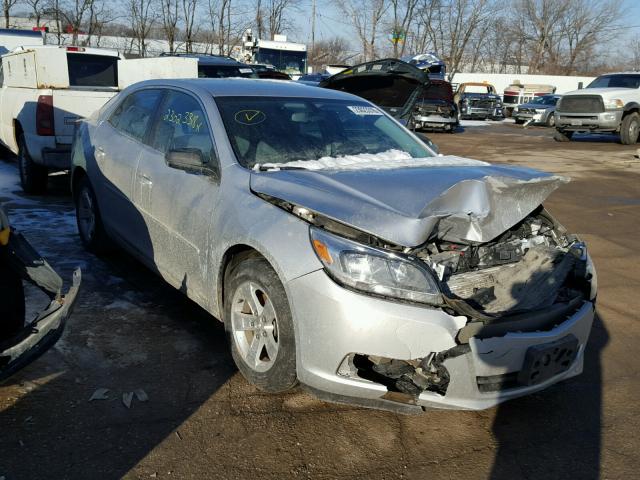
column 20, row 343
column 531, row 278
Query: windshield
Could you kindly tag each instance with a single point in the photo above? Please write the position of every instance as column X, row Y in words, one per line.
column 616, row 81
column 546, row 100
column 225, row 71
column 438, row 91
column 481, row 89
column 280, row 130
column 286, row 61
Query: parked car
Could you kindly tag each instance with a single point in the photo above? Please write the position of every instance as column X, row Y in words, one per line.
column 478, row 100
column 339, row 251
column 23, row 342
column 435, row 110
column 273, row 75
column 392, row 84
column 539, row 110
column 609, row 104
column 429, row 62
column 219, row 66
column 45, row 90
column 313, row 78
column 520, row 93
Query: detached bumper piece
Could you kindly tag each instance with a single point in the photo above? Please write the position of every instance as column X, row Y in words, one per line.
column 37, row 337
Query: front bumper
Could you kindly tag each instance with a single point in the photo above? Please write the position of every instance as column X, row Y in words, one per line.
column 608, row 121
column 476, row 112
column 41, row 334
column 434, row 121
column 525, row 117
column 333, row 323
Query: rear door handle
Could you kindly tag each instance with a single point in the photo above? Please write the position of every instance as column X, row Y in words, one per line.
column 99, row 154
column 145, row 180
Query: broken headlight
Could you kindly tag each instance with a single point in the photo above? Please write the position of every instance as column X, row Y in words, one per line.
column 374, row 270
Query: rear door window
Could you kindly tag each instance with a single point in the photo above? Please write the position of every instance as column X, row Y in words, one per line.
column 86, row 70
column 182, row 125
column 134, row 114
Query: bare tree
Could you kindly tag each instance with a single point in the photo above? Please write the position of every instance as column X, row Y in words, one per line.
column 260, row 28
column 189, row 8
column 142, row 17
column 366, row 16
column 7, row 5
column 402, row 18
column 74, row 15
column 39, row 8
column 326, row 52
column 228, row 20
column 450, row 27
column 169, row 9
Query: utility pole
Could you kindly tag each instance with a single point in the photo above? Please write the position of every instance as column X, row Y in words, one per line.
column 313, row 24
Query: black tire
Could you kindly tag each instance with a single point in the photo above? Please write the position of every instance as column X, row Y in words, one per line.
column 11, row 301
column 272, row 375
column 551, row 120
column 562, row 136
column 92, row 233
column 33, row 177
column 629, row 129
column 519, row 121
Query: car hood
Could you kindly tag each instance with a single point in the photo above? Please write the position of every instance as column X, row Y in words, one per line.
column 605, row 92
column 406, row 206
column 390, row 83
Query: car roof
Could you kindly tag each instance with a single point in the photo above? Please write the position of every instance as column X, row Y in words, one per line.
column 206, row 59
column 249, row 87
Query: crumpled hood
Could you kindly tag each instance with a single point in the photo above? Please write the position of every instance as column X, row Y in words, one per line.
column 467, row 204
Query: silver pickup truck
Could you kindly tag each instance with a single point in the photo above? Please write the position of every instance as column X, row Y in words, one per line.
column 609, row 104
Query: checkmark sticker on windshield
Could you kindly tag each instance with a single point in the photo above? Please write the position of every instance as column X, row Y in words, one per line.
column 250, row 117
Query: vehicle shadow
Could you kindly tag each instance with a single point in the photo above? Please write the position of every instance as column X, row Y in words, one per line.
column 555, row 433
column 130, row 333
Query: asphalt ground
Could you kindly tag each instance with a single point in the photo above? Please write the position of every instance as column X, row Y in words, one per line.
column 130, row 331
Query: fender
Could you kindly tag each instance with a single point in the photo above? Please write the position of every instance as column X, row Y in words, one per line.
column 632, row 106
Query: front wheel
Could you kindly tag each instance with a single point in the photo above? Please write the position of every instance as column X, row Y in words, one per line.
column 12, row 307
column 33, row 177
column 551, row 120
column 629, row 129
column 259, row 325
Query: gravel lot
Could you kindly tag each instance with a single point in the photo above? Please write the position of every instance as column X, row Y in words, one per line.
column 202, row 420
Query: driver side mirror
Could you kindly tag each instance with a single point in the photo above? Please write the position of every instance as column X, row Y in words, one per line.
column 190, row 160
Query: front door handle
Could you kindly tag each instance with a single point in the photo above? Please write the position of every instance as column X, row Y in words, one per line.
column 145, row 180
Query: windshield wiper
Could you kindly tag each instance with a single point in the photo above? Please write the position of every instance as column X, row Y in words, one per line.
column 269, row 167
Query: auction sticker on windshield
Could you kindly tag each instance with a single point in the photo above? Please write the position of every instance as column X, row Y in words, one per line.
column 361, row 110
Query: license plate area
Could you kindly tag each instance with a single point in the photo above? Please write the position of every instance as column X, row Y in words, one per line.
column 541, row 362
column 576, row 123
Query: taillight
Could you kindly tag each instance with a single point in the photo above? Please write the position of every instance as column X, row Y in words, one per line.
column 75, row 49
column 44, row 116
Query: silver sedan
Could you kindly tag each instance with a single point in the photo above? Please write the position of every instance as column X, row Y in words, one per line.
column 338, row 249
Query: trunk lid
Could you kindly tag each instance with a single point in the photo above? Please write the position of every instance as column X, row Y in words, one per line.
column 391, row 84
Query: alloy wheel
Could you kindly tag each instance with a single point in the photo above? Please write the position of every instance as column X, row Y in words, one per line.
column 254, row 325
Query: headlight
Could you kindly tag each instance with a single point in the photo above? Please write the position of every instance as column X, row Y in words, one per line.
column 516, row 110
column 541, row 110
column 613, row 104
column 373, row 270
column 498, row 103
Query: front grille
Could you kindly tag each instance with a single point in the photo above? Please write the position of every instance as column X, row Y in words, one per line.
column 482, row 103
column 581, row 104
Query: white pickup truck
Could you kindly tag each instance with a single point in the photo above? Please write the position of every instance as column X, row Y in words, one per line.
column 609, row 104
column 45, row 90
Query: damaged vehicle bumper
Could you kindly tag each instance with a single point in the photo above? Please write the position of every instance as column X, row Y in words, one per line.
column 402, row 357
column 20, row 343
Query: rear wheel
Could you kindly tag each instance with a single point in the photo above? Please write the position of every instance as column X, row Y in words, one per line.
column 562, row 136
column 258, row 321
column 519, row 121
column 90, row 227
column 629, row 129
column 33, row 177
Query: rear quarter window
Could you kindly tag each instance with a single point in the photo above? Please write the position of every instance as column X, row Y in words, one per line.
column 87, row 70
